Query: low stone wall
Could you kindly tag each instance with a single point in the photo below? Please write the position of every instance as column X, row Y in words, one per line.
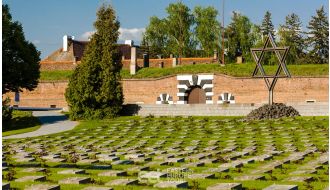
column 146, row 91
column 305, row 109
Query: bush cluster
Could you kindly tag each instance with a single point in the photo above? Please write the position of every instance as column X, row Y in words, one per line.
column 6, row 110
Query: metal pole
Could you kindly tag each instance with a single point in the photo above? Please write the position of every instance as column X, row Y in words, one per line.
column 223, row 32
column 270, row 100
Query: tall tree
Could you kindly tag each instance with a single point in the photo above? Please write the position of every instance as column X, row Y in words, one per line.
column 267, row 24
column 179, row 22
column 94, row 89
column 291, row 35
column 239, row 36
column 266, row 28
column 318, row 36
column 156, row 37
column 20, row 58
column 207, row 29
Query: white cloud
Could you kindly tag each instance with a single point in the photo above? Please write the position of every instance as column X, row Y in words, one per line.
column 131, row 33
column 134, row 34
column 86, row 35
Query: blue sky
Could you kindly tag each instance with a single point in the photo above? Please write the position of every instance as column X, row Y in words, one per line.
column 46, row 21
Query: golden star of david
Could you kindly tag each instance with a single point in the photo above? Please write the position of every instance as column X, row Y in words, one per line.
column 281, row 64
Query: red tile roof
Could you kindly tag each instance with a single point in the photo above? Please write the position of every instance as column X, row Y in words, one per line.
column 76, row 50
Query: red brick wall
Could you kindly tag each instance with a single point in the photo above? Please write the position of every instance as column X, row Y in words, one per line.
column 297, row 89
column 245, row 90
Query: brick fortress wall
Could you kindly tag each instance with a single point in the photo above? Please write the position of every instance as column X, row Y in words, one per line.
column 245, row 90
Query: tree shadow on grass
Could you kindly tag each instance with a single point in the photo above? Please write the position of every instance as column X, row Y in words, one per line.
column 20, row 123
column 130, row 110
column 52, row 119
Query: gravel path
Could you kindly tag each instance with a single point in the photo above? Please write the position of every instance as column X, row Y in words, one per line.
column 51, row 122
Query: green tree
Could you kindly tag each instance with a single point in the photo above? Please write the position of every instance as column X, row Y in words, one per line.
column 267, row 25
column 155, row 37
column 318, row 37
column 256, row 35
column 292, row 35
column 240, row 37
column 179, row 22
column 20, row 58
column 207, row 29
column 94, row 89
column 266, row 28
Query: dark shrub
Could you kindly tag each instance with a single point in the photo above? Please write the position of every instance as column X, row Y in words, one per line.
column 6, row 110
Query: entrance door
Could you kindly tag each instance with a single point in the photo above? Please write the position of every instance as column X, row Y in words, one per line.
column 196, row 96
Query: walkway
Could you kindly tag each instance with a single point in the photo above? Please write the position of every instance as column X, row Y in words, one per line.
column 51, row 122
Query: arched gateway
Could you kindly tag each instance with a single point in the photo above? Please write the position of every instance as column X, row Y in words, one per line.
column 196, row 96
column 195, row 89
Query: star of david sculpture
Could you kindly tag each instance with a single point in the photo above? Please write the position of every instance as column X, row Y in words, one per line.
column 281, row 53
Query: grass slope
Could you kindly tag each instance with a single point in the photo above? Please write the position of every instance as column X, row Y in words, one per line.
column 22, row 122
column 237, row 70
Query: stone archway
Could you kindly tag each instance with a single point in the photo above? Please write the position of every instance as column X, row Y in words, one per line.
column 196, row 96
column 186, row 85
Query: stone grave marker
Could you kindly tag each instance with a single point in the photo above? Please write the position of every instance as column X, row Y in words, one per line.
column 113, row 173
column 75, row 180
column 225, row 186
column 138, row 168
column 174, row 160
column 194, row 164
column 281, row 187
column 5, row 186
column 172, row 184
column 122, row 182
column 201, row 176
column 249, row 177
column 72, row 171
column 31, row 178
column 217, row 170
column 87, row 161
column 42, row 187
column 303, row 172
column 33, row 170
column 299, row 178
column 122, row 162
column 97, row 188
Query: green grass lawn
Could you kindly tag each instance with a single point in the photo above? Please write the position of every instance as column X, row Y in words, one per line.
column 182, row 138
column 22, row 122
column 237, row 70
column 55, row 75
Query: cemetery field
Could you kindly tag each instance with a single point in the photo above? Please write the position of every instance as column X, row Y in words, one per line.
column 237, row 70
column 171, row 152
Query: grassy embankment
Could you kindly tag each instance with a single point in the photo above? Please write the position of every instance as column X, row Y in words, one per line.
column 237, row 70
